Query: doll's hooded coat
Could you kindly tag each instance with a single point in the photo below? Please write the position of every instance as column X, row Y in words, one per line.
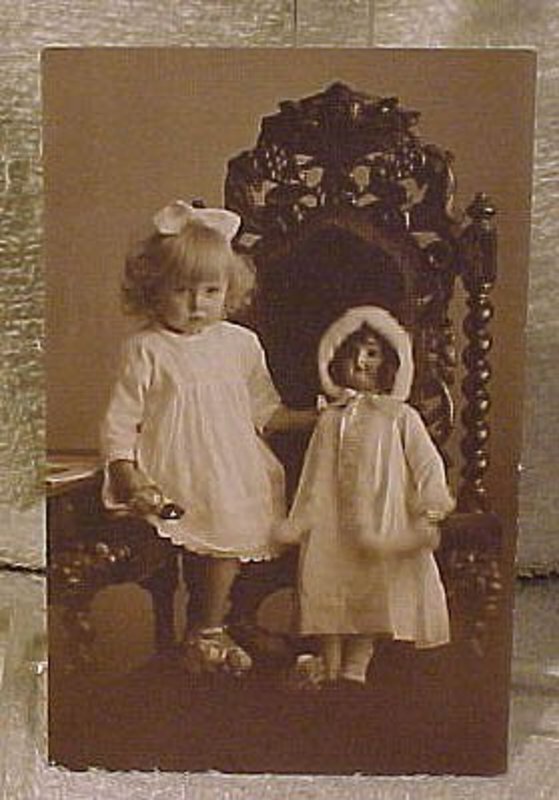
column 370, row 474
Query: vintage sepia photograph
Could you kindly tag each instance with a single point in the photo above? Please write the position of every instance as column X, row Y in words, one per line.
column 286, row 298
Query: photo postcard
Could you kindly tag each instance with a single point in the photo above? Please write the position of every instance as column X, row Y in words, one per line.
column 286, row 295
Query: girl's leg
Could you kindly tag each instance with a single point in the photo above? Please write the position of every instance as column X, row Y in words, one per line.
column 331, row 651
column 220, row 574
column 209, row 647
column 356, row 657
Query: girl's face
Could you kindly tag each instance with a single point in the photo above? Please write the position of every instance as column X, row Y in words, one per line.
column 193, row 305
column 360, row 370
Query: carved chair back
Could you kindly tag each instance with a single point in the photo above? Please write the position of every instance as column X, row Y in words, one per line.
column 343, row 204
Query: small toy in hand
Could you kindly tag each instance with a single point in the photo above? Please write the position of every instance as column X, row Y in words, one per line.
column 148, row 500
column 170, row 511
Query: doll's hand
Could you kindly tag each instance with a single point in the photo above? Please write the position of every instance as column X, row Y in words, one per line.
column 430, row 532
column 286, row 533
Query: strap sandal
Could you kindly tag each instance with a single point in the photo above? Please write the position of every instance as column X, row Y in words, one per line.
column 237, row 661
column 204, row 651
column 213, row 650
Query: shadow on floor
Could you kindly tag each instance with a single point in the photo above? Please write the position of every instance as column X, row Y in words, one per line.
column 420, row 712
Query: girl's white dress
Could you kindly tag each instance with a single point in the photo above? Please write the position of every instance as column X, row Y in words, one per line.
column 371, row 471
column 188, row 409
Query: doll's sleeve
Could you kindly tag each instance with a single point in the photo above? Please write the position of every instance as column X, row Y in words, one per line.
column 301, row 514
column 432, row 495
column 121, row 424
column 264, row 398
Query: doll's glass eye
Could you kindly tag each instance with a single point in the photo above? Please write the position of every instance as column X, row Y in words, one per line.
column 370, row 348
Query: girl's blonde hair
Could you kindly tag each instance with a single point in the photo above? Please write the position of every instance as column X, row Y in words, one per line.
column 162, row 263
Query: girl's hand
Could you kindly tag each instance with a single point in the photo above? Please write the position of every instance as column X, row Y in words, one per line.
column 131, row 486
column 146, row 500
column 149, row 499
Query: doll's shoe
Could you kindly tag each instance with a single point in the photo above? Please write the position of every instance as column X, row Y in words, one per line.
column 213, row 650
column 308, row 673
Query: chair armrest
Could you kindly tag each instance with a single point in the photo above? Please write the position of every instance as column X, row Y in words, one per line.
column 471, row 562
column 90, row 547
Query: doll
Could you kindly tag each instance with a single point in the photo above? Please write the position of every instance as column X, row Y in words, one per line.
column 371, row 493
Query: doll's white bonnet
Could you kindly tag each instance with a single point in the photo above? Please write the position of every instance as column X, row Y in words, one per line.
column 383, row 323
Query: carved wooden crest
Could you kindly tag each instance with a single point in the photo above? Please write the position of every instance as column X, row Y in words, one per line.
column 343, row 171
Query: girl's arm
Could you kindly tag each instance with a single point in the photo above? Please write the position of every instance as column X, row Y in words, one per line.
column 125, row 483
column 131, row 486
column 269, row 414
column 125, row 411
column 127, row 479
column 289, row 419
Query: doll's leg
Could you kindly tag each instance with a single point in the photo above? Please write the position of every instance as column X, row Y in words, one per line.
column 331, row 651
column 356, row 657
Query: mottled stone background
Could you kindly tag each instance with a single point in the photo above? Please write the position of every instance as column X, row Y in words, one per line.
column 29, row 25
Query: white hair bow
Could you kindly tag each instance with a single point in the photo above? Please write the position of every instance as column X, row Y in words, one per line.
column 172, row 219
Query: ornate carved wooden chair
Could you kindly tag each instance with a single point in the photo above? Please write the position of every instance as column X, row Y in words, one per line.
column 343, row 204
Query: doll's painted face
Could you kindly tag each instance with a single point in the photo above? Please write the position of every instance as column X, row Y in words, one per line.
column 366, row 362
column 361, row 364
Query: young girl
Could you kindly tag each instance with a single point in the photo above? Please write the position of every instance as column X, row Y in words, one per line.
column 371, row 493
column 181, row 436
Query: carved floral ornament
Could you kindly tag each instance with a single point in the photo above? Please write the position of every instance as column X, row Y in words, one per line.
column 343, row 148
column 343, row 158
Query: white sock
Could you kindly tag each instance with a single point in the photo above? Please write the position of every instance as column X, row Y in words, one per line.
column 331, row 650
column 357, row 654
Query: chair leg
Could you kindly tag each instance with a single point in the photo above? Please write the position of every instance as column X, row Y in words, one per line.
column 257, row 581
column 162, row 585
column 194, row 574
column 253, row 585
